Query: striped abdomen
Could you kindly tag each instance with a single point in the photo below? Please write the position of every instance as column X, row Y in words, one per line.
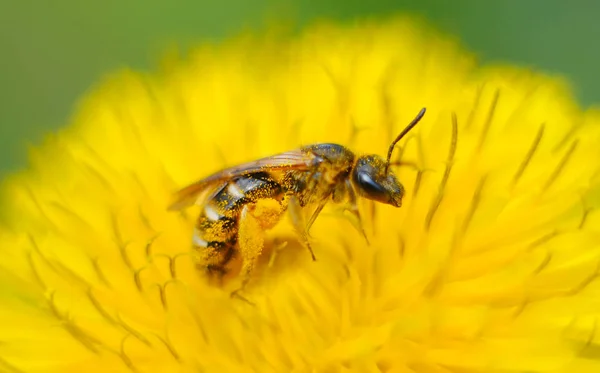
column 217, row 226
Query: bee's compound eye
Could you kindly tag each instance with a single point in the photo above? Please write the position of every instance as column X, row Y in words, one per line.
column 368, row 185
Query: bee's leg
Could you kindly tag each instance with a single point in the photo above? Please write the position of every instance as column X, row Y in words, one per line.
column 315, row 214
column 353, row 209
column 251, row 239
column 295, row 211
column 278, row 246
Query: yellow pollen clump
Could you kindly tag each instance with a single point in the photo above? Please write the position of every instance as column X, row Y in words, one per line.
column 268, row 212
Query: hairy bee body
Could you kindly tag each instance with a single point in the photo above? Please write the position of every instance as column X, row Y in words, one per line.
column 217, row 226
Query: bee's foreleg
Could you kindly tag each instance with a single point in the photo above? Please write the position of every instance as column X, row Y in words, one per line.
column 295, row 211
column 315, row 214
column 353, row 209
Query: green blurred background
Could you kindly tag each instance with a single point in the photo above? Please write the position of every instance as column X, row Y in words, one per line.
column 53, row 51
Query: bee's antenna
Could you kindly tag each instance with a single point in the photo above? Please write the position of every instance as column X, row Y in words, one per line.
column 406, row 130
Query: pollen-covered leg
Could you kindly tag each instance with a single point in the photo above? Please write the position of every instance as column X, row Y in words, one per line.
column 255, row 220
column 295, row 211
column 251, row 240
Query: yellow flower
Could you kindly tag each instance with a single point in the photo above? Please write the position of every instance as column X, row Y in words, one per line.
column 490, row 265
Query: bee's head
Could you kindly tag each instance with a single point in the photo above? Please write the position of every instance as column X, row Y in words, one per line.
column 372, row 177
column 371, row 181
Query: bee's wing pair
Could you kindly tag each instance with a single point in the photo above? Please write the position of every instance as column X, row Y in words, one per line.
column 298, row 159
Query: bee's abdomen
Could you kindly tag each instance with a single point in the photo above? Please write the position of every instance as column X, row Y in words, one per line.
column 217, row 225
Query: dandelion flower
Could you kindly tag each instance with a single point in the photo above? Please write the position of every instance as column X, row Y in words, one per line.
column 490, row 265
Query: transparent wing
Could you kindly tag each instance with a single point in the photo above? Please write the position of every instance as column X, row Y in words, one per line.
column 292, row 160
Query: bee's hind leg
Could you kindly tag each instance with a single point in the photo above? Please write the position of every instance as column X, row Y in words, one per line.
column 251, row 240
column 255, row 220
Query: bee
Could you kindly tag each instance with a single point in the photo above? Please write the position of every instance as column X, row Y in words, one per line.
column 239, row 204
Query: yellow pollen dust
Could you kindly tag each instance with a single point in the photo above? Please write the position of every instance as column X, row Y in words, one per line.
column 267, row 212
column 251, row 239
column 217, row 231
